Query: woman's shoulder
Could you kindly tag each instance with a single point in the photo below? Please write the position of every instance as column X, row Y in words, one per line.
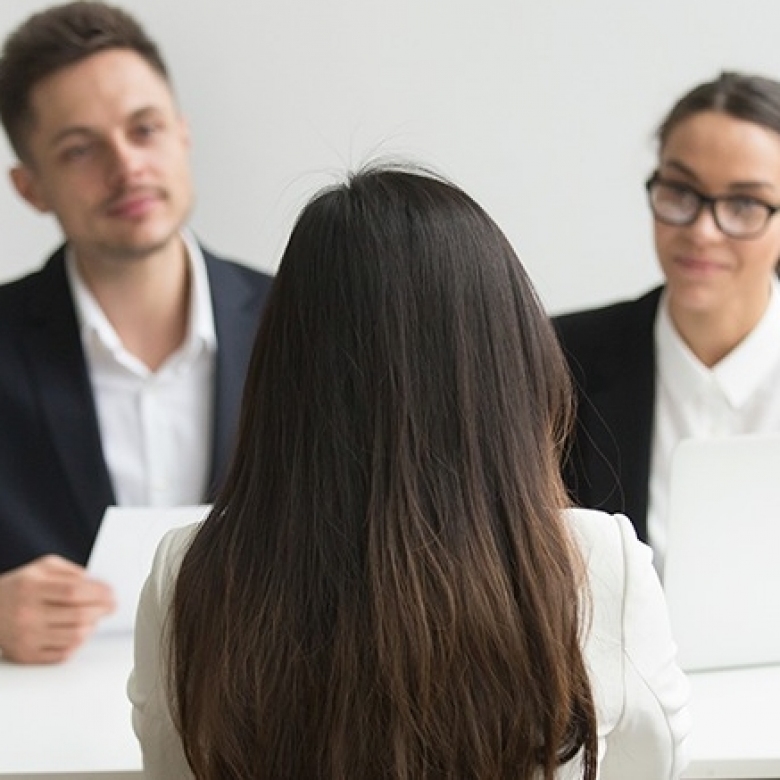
column 613, row 555
column 594, row 529
column 168, row 557
column 618, row 323
column 604, row 316
column 175, row 542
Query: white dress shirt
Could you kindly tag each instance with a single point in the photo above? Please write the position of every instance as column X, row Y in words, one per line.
column 155, row 426
column 641, row 696
column 739, row 395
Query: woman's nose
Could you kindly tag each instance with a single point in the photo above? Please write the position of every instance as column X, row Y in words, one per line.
column 705, row 226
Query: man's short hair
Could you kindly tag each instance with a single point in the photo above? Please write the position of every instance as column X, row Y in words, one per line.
column 56, row 38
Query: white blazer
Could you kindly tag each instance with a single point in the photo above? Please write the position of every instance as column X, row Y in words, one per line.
column 641, row 694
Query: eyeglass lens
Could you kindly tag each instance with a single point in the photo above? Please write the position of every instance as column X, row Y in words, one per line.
column 681, row 205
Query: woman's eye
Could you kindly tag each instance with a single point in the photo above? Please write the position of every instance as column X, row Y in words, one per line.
column 743, row 206
column 682, row 195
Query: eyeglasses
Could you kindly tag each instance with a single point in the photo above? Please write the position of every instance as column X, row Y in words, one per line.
column 738, row 216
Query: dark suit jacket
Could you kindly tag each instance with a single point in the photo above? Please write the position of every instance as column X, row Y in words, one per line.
column 54, row 483
column 611, row 354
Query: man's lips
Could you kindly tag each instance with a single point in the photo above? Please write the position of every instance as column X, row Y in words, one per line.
column 133, row 205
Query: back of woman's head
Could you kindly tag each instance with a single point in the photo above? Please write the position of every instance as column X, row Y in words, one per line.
column 750, row 98
column 391, row 591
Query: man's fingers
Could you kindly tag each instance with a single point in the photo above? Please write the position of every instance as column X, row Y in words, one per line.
column 57, row 632
column 22, row 654
column 73, row 617
column 31, row 652
column 66, row 635
column 54, row 637
column 54, row 580
column 82, row 591
column 48, row 608
column 55, row 564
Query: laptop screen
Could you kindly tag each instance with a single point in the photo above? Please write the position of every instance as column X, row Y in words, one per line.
column 722, row 570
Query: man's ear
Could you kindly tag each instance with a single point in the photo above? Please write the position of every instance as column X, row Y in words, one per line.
column 26, row 184
column 184, row 129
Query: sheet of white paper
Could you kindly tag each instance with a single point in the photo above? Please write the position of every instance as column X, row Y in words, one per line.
column 124, row 549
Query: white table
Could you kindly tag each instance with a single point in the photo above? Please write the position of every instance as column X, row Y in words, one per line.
column 736, row 728
column 72, row 721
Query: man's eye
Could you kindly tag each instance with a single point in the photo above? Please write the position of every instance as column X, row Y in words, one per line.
column 147, row 130
column 75, row 153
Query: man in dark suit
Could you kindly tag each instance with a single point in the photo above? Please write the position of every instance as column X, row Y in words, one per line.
column 121, row 361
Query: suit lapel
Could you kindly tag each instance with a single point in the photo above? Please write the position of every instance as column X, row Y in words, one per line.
column 627, row 406
column 624, row 401
column 235, row 321
column 56, row 359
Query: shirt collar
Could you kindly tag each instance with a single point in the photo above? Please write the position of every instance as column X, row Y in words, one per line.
column 95, row 326
column 742, row 371
column 738, row 375
column 201, row 325
column 683, row 375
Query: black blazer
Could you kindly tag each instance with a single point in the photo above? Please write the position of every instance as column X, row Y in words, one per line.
column 611, row 354
column 54, row 482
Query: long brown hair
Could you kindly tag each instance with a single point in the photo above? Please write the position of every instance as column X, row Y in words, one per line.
column 385, row 587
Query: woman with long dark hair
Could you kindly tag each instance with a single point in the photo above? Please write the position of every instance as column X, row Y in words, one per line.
column 389, row 585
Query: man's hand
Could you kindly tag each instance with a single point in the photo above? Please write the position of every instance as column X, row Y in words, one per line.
column 48, row 608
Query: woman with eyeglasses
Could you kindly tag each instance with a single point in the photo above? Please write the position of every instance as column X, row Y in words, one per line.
column 699, row 356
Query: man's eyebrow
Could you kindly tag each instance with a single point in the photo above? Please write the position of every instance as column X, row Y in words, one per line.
column 140, row 113
column 68, row 132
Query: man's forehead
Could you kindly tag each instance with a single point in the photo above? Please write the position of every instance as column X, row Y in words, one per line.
column 94, row 98
column 111, row 78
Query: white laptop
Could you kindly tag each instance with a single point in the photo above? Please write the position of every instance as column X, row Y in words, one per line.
column 722, row 570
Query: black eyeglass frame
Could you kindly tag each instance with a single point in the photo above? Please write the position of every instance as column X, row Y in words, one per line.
column 709, row 202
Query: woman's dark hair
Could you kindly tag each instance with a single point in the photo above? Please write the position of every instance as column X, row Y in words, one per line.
column 57, row 38
column 750, row 98
column 386, row 587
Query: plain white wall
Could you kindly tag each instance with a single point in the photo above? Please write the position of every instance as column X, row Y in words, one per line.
column 544, row 111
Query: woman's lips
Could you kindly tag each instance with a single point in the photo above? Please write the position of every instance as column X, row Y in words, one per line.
column 698, row 265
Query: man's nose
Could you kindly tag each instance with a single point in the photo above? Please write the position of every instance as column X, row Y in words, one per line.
column 126, row 160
